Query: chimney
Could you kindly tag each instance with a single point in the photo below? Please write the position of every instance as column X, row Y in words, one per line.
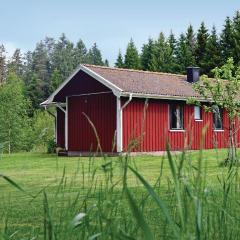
column 193, row 74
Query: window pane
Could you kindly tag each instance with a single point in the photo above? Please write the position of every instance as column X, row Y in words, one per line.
column 176, row 117
column 197, row 112
column 218, row 119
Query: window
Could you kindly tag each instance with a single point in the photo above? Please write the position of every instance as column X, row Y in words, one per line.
column 176, row 116
column 197, row 113
column 218, row 119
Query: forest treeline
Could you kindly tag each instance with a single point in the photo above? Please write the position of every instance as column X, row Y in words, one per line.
column 27, row 79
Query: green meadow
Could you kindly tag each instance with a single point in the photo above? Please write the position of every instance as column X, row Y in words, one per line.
column 184, row 196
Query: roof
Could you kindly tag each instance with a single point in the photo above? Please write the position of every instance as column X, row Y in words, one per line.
column 124, row 82
column 145, row 82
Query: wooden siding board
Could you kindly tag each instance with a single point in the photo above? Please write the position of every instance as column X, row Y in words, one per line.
column 156, row 129
column 101, row 110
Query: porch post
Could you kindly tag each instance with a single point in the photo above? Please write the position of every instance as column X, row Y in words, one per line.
column 119, row 125
column 66, row 125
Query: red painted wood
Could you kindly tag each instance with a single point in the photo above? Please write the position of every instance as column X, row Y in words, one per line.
column 80, row 84
column 154, row 131
column 60, row 128
column 101, row 109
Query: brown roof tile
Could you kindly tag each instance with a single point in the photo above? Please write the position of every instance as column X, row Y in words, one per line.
column 144, row 82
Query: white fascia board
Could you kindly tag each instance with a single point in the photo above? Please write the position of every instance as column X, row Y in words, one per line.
column 114, row 88
column 102, row 80
column 165, row 97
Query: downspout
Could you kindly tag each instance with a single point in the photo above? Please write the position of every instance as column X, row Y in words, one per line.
column 119, row 122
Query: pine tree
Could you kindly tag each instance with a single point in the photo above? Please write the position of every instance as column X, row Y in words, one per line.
column 236, row 37
column 95, row 56
column 147, row 55
column 106, row 63
column 16, row 65
column 41, row 67
column 173, row 47
column 213, row 53
column 200, row 51
column 3, row 68
column 119, row 62
column 226, row 40
column 64, row 57
column 55, row 80
column 162, row 58
column 190, row 38
column 184, row 56
column 132, row 60
column 80, row 53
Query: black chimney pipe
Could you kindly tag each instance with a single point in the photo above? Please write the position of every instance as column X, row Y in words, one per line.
column 193, row 74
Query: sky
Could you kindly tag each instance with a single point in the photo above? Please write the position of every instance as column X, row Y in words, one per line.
column 111, row 24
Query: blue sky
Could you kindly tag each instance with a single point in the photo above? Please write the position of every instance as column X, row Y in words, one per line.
column 109, row 23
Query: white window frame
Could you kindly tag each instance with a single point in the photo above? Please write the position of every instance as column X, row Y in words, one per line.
column 169, row 118
column 197, row 113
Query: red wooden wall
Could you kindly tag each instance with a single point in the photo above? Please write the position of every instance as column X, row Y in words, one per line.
column 101, row 109
column 154, row 131
column 60, row 128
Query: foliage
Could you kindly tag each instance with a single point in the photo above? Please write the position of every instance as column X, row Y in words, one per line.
column 132, row 60
column 119, row 62
column 223, row 92
column 15, row 125
column 43, row 130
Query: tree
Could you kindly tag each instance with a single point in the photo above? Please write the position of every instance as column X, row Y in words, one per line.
column 184, row 55
column 3, row 68
column 15, row 129
column 119, row 62
column 41, row 68
column 95, row 56
column 236, row 37
column 80, row 53
column 147, row 55
column 190, row 39
column 16, row 64
column 132, row 60
column 55, row 80
column 63, row 57
column 224, row 94
column 202, row 37
column 162, row 59
column 212, row 57
column 106, row 63
column 172, row 42
column 226, row 40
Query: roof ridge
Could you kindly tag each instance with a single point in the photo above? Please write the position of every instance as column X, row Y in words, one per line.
column 134, row 70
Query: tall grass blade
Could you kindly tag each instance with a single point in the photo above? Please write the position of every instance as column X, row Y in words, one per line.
column 147, row 233
column 157, row 199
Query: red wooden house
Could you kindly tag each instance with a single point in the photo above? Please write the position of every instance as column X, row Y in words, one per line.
column 132, row 108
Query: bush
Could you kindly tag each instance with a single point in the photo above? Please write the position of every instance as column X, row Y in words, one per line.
column 51, row 146
column 43, row 131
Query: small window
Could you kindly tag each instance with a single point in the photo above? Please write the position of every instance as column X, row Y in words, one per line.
column 176, row 116
column 218, row 119
column 197, row 113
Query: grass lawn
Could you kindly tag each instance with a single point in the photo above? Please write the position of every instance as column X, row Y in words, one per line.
column 68, row 180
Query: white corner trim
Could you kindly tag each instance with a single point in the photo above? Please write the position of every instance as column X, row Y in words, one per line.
column 119, row 126
column 66, row 125
column 120, row 122
column 85, row 69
